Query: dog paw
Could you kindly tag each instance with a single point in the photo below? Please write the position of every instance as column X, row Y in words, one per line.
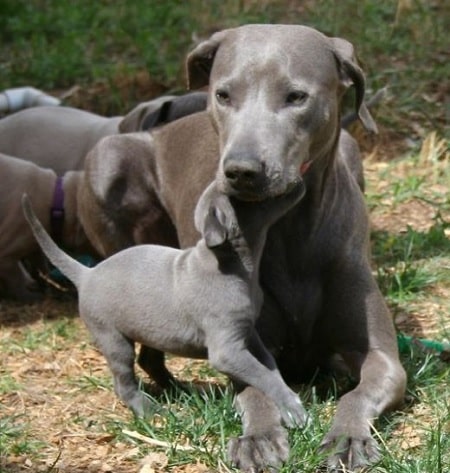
column 294, row 414
column 257, row 453
column 141, row 405
column 346, row 453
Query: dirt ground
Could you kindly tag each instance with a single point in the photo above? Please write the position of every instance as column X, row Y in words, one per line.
column 68, row 415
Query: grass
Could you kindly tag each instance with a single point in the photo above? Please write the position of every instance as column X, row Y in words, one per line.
column 202, row 422
column 411, row 261
column 53, row 384
column 54, row 335
column 55, row 45
column 15, row 438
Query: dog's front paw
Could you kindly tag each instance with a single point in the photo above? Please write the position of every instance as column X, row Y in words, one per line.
column 349, row 453
column 256, row 453
column 294, row 414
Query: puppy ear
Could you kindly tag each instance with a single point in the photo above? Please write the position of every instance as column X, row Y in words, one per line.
column 214, row 231
column 351, row 73
column 200, row 60
column 132, row 120
column 214, row 217
column 155, row 117
column 157, row 109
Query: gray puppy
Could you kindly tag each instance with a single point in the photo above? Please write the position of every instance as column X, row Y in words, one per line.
column 199, row 302
column 60, row 137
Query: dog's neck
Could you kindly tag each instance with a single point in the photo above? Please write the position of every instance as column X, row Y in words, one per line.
column 316, row 179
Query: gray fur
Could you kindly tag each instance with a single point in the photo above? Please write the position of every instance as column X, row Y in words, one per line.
column 60, row 137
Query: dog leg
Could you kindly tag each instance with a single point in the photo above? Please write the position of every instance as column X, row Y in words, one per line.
column 349, row 441
column 119, row 353
column 153, row 363
column 264, row 444
column 244, row 367
column 362, row 332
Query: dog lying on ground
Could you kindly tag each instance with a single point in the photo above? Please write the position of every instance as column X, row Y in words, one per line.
column 16, row 239
column 273, row 114
column 169, row 308
column 60, row 137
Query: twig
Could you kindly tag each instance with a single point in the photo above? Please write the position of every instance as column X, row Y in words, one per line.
column 160, row 443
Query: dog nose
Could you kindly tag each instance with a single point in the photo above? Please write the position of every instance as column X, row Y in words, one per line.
column 243, row 171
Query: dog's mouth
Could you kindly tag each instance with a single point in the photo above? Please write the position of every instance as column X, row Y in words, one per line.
column 264, row 186
column 248, row 196
column 263, row 193
column 246, row 190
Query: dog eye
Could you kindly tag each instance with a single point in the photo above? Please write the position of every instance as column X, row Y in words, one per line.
column 223, row 97
column 296, row 98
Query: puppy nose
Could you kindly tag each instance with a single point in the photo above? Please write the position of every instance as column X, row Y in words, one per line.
column 243, row 170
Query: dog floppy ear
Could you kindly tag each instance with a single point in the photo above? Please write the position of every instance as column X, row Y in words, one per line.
column 350, row 74
column 214, row 230
column 153, row 118
column 131, row 122
column 214, row 217
column 146, row 115
column 162, row 110
column 200, row 60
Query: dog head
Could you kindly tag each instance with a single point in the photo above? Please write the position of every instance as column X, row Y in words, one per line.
column 275, row 97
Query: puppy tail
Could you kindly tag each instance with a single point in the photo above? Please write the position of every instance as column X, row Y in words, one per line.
column 71, row 268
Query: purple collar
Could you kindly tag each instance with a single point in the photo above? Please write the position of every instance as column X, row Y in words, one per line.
column 57, row 211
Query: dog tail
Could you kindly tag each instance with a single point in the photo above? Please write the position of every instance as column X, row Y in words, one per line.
column 71, row 268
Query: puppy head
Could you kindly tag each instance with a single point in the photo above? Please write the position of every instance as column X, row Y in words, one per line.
column 215, row 218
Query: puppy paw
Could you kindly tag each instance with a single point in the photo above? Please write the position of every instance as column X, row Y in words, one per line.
column 141, row 405
column 349, row 453
column 257, row 453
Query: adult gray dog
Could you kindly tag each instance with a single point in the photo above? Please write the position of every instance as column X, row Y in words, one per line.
column 16, row 241
column 273, row 113
column 169, row 308
column 60, row 137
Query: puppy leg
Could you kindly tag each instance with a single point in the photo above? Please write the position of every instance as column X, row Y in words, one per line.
column 153, row 363
column 233, row 358
column 119, row 353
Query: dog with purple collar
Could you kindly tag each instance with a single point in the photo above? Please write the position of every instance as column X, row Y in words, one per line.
column 56, row 204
